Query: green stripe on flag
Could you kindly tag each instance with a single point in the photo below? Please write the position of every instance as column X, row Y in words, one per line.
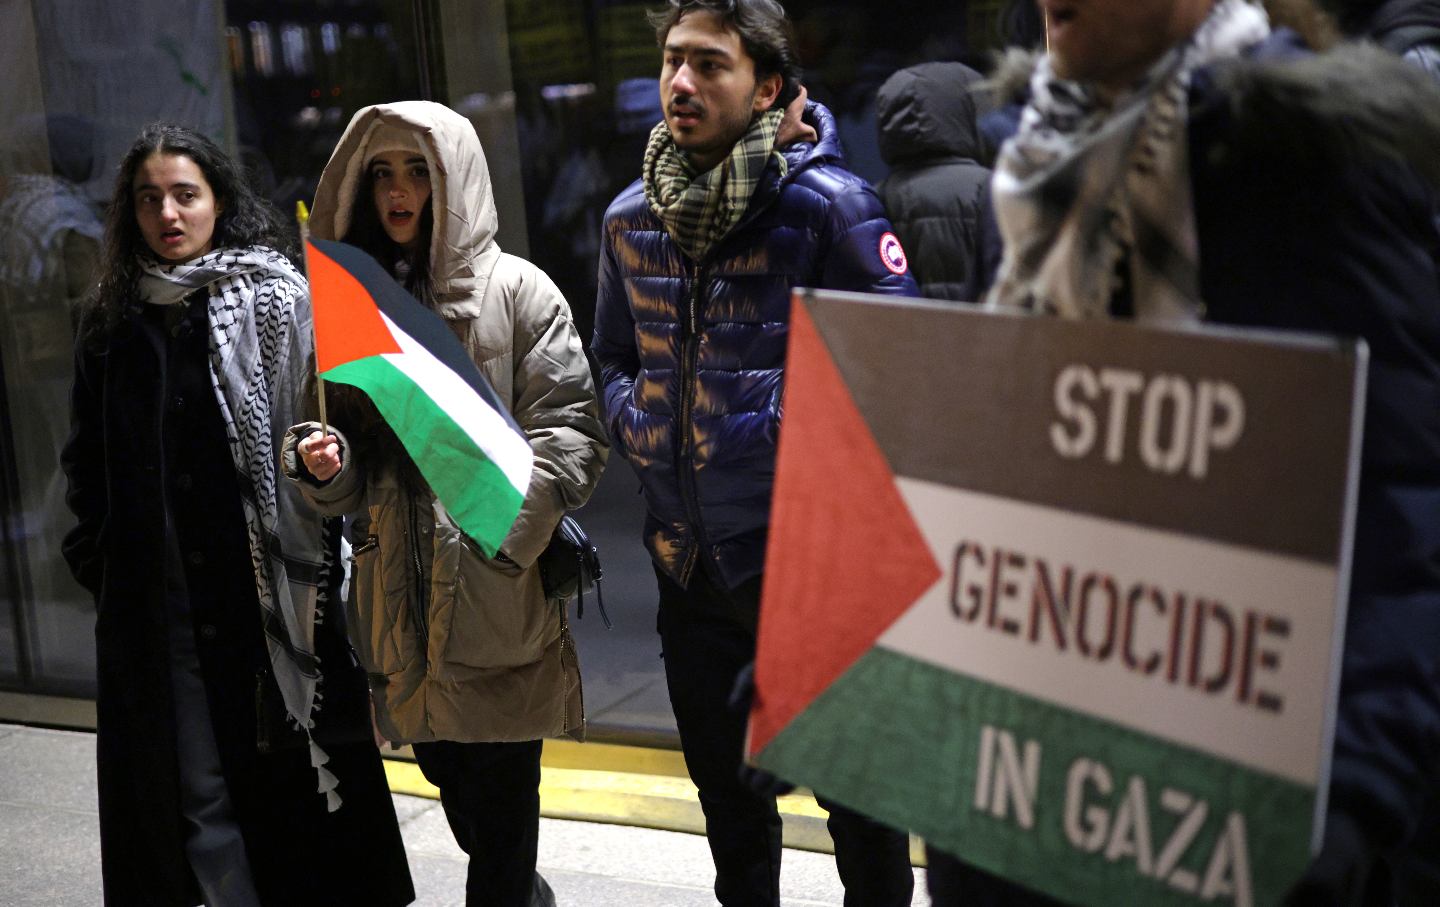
column 904, row 741
column 478, row 495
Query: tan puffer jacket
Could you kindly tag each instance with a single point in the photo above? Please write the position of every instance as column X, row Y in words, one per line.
column 460, row 646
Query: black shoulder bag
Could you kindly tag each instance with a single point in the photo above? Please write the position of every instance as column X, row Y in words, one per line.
column 570, row 567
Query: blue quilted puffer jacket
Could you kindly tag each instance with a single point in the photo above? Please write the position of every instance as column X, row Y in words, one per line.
column 692, row 353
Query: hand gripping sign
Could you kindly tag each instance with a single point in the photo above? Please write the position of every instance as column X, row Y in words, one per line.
column 1066, row 599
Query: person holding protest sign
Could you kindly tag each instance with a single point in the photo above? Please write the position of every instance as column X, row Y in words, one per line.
column 1163, row 143
column 469, row 661
column 699, row 257
column 221, row 776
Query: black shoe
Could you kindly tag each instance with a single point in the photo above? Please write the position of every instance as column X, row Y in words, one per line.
column 543, row 895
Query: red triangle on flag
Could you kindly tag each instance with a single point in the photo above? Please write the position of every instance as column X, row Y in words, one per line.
column 845, row 557
column 348, row 324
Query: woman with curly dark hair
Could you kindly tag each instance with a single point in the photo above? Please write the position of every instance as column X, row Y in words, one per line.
column 222, row 780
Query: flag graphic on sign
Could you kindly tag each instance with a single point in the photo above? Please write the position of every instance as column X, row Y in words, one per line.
column 371, row 334
column 1108, row 675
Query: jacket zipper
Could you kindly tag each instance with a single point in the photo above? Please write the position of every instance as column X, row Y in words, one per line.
column 690, row 360
column 371, row 543
column 565, row 700
column 163, row 467
column 422, row 618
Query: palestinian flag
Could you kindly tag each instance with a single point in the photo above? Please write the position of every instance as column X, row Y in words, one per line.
column 372, row 334
column 1062, row 598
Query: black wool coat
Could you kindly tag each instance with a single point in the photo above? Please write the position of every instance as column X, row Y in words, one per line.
column 162, row 532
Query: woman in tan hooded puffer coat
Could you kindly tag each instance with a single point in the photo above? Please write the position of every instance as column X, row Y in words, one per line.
column 468, row 660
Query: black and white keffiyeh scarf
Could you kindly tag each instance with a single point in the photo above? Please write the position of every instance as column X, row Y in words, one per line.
column 698, row 210
column 1090, row 186
column 259, row 316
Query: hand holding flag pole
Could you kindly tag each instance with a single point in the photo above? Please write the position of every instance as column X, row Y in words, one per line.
column 371, row 334
column 302, row 214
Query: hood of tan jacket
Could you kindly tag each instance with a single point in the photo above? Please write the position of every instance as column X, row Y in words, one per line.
column 463, row 251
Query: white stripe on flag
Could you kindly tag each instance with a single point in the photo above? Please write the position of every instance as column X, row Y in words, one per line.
column 486, row 427
column 1245, row 580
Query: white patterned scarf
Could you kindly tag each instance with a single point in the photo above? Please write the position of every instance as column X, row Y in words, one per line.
column 259, row 318
column 1091, row 195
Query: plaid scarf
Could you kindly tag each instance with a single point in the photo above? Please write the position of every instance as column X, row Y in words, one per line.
column 1093, row 196
column 259, row 336
column 697, row 210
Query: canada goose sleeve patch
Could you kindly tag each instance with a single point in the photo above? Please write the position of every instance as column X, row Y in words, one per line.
column 892, row 254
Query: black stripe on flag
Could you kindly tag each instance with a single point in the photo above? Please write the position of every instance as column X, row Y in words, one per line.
column 411, row 316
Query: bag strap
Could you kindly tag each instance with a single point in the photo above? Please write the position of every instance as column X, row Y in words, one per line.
column 587, row 558
column 599, row 592
column 599, row 600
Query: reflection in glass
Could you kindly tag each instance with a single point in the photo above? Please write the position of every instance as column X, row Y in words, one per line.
column 262, row 48
column 295, row 49
column 50, row 236
column 235, row 50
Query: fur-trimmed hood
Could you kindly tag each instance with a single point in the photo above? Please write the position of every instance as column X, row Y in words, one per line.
column 1354, row 100
column 1009, row 81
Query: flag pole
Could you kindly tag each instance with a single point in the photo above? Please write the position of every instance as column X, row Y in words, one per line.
column 302, row 214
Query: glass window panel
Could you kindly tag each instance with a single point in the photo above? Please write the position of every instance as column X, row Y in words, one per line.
column 80, row 93
column 562, row 93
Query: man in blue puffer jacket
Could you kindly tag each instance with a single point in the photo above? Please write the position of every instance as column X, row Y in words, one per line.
column 699, row 259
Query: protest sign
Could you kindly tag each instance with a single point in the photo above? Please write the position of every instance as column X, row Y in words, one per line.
column 1064, row 598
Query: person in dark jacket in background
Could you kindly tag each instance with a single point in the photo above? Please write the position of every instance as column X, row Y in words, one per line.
column 1273, row 189
column 1411, row 29
column 218, row 632
column 697, row 263
column 937, row 194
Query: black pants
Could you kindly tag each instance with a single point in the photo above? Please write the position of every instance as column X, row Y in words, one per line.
column 708, row 635
column 955, row 883
column 491, row 795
